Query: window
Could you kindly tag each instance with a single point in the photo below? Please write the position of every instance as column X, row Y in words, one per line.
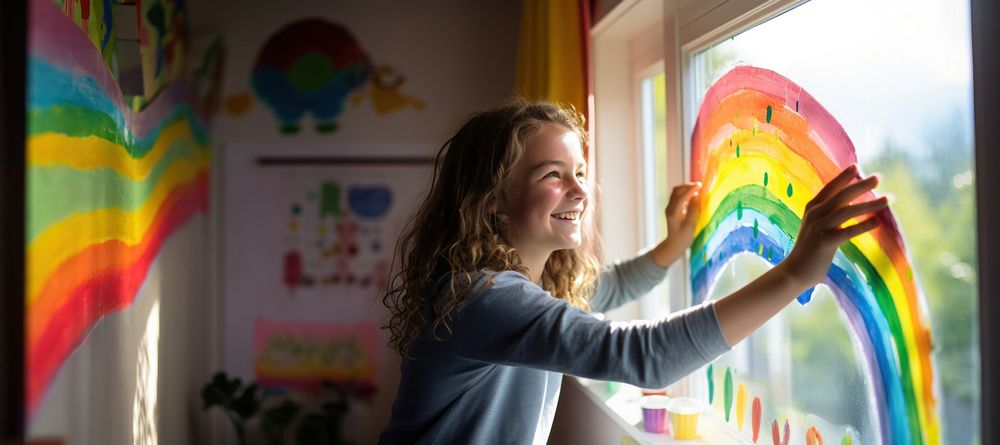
column 897, row 76
column 656, row 191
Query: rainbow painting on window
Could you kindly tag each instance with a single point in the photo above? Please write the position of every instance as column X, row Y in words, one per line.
column 763, row 147
column 106, row 187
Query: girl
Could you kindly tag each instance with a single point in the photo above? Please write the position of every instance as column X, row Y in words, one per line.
column 498, row 271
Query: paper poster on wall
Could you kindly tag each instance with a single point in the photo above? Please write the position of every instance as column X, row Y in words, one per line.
column 312, row 67
column 336, row 228
column 96, row 18
column 336, row 237
column 764, row 147
column 289, row 355
column 163, row 43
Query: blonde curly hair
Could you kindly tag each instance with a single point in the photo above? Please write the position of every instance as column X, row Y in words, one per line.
column 458, row 231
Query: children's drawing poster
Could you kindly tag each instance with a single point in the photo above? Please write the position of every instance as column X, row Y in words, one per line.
column 311, row 67
column 163, row 41
column 337, row 230
column 94, row 17
column 304, row 355
column 313, row 243
column 764, row 147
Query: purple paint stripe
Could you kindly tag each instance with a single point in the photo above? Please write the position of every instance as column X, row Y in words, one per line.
column 860, row 330
column 53, row 37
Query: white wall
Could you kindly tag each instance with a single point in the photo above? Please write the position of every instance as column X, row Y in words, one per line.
column 457, row 56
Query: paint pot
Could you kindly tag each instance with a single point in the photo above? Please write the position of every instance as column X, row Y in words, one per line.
column 684, row 414
column 654, row 391
column 654, row 414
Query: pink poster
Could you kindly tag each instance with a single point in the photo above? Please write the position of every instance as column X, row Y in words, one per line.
column 302, row 355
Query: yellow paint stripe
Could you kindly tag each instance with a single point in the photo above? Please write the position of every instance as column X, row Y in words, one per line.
column 759, row 153
column 905, row 308
column 71, row 235
column 92, row 152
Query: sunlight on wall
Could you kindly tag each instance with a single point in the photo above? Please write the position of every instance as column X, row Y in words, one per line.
column 144, row 403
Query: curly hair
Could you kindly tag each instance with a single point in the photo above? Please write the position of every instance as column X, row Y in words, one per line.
column 459, row 232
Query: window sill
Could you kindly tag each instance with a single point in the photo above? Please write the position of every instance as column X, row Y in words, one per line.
column 623, row 408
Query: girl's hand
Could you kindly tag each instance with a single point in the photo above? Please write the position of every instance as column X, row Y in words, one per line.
column 821, row 232
column 682, row 214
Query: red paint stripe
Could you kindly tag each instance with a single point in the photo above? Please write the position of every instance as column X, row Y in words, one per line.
column 786, row 93
column 108, row 291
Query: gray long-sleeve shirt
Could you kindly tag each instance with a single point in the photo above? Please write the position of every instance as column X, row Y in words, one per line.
column 497, row 378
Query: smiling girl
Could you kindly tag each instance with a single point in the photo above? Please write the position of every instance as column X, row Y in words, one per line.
column 498, row 271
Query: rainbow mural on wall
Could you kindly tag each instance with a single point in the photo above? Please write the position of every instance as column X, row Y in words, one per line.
column 106, row 187
column 763, row 147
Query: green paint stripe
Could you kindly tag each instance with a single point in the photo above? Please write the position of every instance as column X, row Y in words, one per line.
column 884, row 300
column 76, row 121
column 728, row 393
column 73, row 120
column 57, row 191
column 711, row 385
column 750, row 196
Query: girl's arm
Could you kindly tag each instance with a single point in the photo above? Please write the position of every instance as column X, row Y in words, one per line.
column 624, row 281
column 515, row 322
column 820, row 234
column 627, row 280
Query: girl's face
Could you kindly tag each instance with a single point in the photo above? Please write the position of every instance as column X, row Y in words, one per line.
column 548, row 196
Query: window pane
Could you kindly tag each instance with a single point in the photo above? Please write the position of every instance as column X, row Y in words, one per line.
column 897, row 76
column 654, row 145
column 653, row 105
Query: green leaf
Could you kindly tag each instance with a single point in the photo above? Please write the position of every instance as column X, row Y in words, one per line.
column 248, row 403
column 276, row 419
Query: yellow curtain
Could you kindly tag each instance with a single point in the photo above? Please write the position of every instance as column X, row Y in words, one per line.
column 551, row 56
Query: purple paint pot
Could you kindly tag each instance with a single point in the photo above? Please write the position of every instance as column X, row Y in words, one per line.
column 654, row 414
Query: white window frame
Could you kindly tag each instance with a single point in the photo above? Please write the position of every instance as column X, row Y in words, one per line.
column 626, row 43
column 651, row 212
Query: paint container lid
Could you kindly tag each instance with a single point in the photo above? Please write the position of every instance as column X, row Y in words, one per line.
column 654, row 402
column 685, row 405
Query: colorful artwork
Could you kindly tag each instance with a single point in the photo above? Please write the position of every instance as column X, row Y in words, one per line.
column 777, row 438
column 755, row 419
column 163, row 42
column 385, row 92
column 94, row 17
column 813, row 437
column 741, row 404
column 106, row 188
column 206, row 78
column 311, row 67
column 303, row 355
column 764, row 147
column 335, row 237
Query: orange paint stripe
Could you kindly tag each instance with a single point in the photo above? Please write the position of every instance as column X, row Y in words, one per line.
column 81, row 267
column 97, row 294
